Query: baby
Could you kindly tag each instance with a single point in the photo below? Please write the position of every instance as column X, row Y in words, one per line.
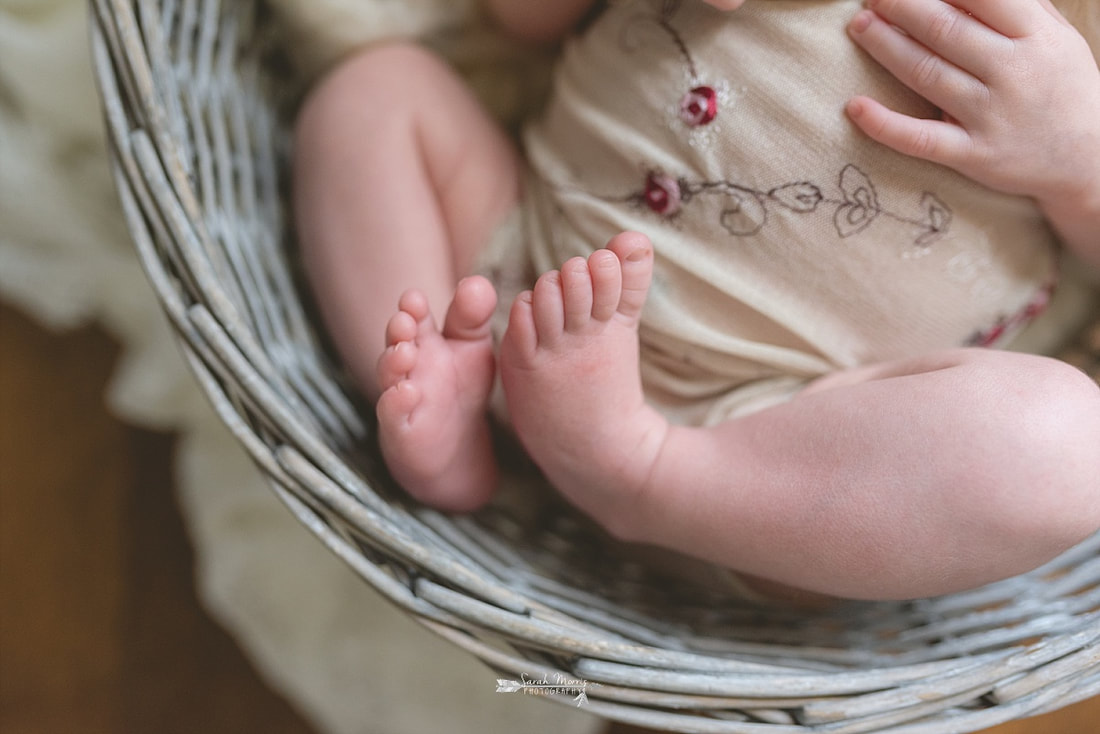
column 814, row 213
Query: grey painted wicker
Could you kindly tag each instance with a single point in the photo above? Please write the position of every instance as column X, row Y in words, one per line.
column 199, row 153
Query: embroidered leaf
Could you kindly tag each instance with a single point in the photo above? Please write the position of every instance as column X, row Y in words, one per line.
column 860, row 205
column 852, row 219
column 937, row 219
column 745, row 215
column 802, row 197
column 939, row 214
column 927, row 238
column 857, row 188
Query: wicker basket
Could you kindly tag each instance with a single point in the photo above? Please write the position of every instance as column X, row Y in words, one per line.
column 534, row 591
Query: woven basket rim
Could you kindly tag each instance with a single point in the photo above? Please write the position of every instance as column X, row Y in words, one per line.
column 964, row 662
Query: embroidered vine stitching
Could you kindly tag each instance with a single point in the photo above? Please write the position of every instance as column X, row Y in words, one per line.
column 746, row 210
column 664, row 21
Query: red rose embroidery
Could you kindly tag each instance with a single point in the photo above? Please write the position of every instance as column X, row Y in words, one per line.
column 1038, row 304
column 662, row 194
column 1009, row 324
column 699, row 106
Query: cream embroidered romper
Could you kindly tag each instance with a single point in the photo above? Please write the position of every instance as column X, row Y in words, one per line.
column 788, row 245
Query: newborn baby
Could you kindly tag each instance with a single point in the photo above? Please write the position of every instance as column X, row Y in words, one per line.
column 813, row 214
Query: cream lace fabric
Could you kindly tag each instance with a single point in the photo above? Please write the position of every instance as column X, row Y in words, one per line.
column 316, row 632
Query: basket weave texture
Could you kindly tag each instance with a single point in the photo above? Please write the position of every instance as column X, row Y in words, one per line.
column 534, row 591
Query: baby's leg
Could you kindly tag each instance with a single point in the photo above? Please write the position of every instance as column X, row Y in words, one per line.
column 400, row 177
column 569, row 365
column 907, row 479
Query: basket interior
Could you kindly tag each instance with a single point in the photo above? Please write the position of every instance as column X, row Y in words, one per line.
column 201, row 148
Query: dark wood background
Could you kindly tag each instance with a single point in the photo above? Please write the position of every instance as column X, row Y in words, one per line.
column 100, row 629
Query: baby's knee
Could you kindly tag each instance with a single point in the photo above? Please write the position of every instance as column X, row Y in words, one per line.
column 389, row 78
column 393, row 65
column 1051, row 471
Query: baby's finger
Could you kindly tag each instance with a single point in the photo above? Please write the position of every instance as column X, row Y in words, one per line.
column 1013, row 18
column 931, row 140
column 947, row 31
column 926, row 73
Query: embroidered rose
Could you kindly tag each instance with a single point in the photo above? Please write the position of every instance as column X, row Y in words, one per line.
column 662, row 194
column 699, row 106
column 1006, row 324
column 990, row 336
column 1039, row 303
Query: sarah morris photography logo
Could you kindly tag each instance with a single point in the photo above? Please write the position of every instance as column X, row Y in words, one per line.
column 556, row 685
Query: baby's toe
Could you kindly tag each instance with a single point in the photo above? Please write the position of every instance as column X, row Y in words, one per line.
column 396, row 363
column 547, row 309
column 635, row 253
column 576, row 290
column 402, row 327
column 521, row 338
column 396, row 405
column 470, row 310
column 607, row 283
column 415, row 303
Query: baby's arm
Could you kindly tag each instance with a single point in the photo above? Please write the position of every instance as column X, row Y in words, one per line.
column 1020, row 94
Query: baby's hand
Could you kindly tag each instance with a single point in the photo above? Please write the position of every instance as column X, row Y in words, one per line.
column 1017, row 84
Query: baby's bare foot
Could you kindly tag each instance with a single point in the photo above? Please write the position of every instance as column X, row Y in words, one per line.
column 569, row 363
column 432, row 420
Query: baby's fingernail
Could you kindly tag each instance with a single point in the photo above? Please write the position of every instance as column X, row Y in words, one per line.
column 855, row 108
column 861, row 21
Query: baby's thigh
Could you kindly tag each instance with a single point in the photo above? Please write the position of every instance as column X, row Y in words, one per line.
column 1024, row 429
column 395, row 118
column 394, row 88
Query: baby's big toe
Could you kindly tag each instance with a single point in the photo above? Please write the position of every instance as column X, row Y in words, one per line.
column 470, row 310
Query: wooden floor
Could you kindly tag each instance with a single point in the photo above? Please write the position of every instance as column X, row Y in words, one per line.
column 100, row 630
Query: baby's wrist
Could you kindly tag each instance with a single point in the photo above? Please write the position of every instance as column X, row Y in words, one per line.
column 1075, row 216
column 1075, row 186
column 1067, row 198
